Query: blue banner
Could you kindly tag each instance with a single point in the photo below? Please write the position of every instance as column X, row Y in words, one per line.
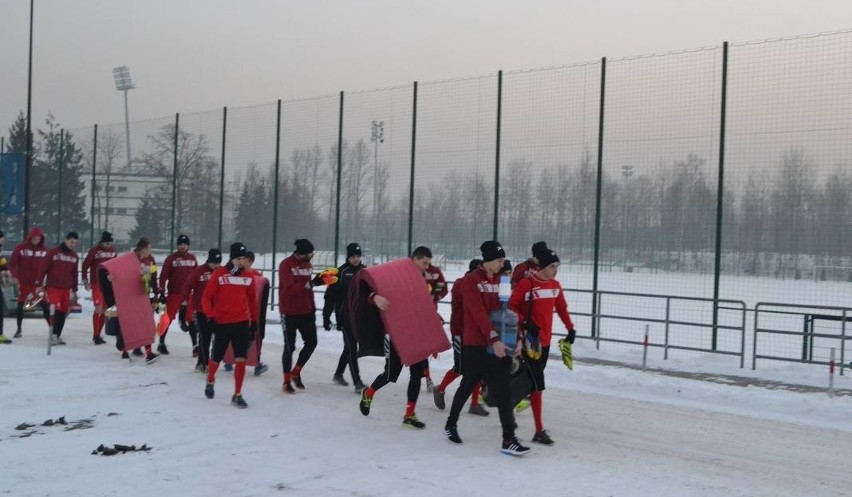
column 12, row 183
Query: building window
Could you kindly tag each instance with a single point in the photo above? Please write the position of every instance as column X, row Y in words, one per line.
column 122, row 189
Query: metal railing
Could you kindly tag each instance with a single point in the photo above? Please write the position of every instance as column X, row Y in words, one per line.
column 804, row 344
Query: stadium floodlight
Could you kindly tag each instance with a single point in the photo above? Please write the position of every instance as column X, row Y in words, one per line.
column 377, row 135
column 123, row 82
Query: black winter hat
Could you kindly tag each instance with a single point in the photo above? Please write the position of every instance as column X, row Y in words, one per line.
column 353, row 249
column 303, row 246
column 538, row 247
column 72, row 234
column 474, row 264
column 183, row 239
column 491, row 250
column 106, row 237
column 238, row 250
column 214, row 255
column 547, row 257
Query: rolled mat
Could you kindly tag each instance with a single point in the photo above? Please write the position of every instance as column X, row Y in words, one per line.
column 414, row 326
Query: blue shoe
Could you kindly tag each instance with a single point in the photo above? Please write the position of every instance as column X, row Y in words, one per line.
column 229, row 367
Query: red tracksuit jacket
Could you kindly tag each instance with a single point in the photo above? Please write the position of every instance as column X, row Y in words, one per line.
column 524, row 270
column 195, row 285
column 28, row 260
column 94, row 257
column 230, row 298
column 479, row 293
column 546, row 295
column 435, row 277
column 176, row 271
column 293, row 298
column 60, row 268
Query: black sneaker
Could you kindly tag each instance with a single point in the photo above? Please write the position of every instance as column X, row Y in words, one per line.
column 452, row 434
column 18, row 334
column 98, row 341
column 513, row 447
column 365, row 403
column 438, row 397
column 195, row 351
column 287, row 388
column 238, row 401
column 163, row 349
column 340, row 380
column 297, row 380
column 151, row 358
column 125, row 355
column 138, row 352
column 413, row 422
column 478, row 410
column 541, row 437
column 208, row 390
column 260, row 369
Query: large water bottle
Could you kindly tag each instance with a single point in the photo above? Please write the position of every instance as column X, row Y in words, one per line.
column 505, row 290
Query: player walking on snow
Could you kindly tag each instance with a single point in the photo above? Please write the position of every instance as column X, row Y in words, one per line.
column 298, row 311
column 422, row 257
column 176, row 270
column 193, row 290
column 101, row 252
column 60, row 277
column 485, row 355
column 534, row 299
column 337, row 301
column 25, row 265
column 230, row 301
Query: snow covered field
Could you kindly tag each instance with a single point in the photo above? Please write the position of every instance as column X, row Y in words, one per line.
column 618, row 431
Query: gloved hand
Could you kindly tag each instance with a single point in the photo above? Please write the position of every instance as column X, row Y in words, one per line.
column 184, row 324
column 567, row 353
column 326, row 324
column 252, row 330
column 532, row 347
column 571, row 336
column 327, row 276
column 162, row 297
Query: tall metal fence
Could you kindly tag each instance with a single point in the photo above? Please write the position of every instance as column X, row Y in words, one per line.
column 719, row 172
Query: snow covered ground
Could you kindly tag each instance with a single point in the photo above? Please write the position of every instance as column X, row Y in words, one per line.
column 618, row 431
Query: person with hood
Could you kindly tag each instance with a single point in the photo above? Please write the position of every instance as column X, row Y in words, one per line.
column 4, row 278
column 337, row 301
column 96, row 255
column 25, row 264
column 534, row 300
column 193, row 290
column 59, row 275
column 298, row 311
column 456, row 327
column 485, row 355
column 530, row 266
column 176, row 269
column 230, row 301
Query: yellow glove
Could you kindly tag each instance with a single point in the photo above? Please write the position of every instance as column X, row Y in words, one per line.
column 567, row 353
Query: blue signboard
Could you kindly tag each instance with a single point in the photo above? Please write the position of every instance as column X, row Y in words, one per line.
column 12, row 182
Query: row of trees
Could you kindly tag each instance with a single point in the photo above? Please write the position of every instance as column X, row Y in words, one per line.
column 778, row 219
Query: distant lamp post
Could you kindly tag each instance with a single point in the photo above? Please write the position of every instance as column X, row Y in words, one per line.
column 626, row 172
column 123, row 82
column 376, row 136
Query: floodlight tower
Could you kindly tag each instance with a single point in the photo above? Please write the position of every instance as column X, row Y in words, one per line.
column 123, row 82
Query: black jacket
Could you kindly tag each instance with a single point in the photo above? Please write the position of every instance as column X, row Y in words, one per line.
column 337, row 296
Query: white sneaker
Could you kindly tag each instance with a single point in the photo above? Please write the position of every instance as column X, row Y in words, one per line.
column 429, row 385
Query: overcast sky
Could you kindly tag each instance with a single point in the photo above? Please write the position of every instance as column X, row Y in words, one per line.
column 193, row 55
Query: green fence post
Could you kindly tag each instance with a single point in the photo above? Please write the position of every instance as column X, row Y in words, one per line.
column 720, row 201
column 222, row 175
column 94, row 185
column 339, row 169
column 497, row 154
column 174, row 181
column 598, row 201
column 411, row 182
column 275, row 197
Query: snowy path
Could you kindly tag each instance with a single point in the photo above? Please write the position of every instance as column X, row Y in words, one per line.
column 616, row 434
